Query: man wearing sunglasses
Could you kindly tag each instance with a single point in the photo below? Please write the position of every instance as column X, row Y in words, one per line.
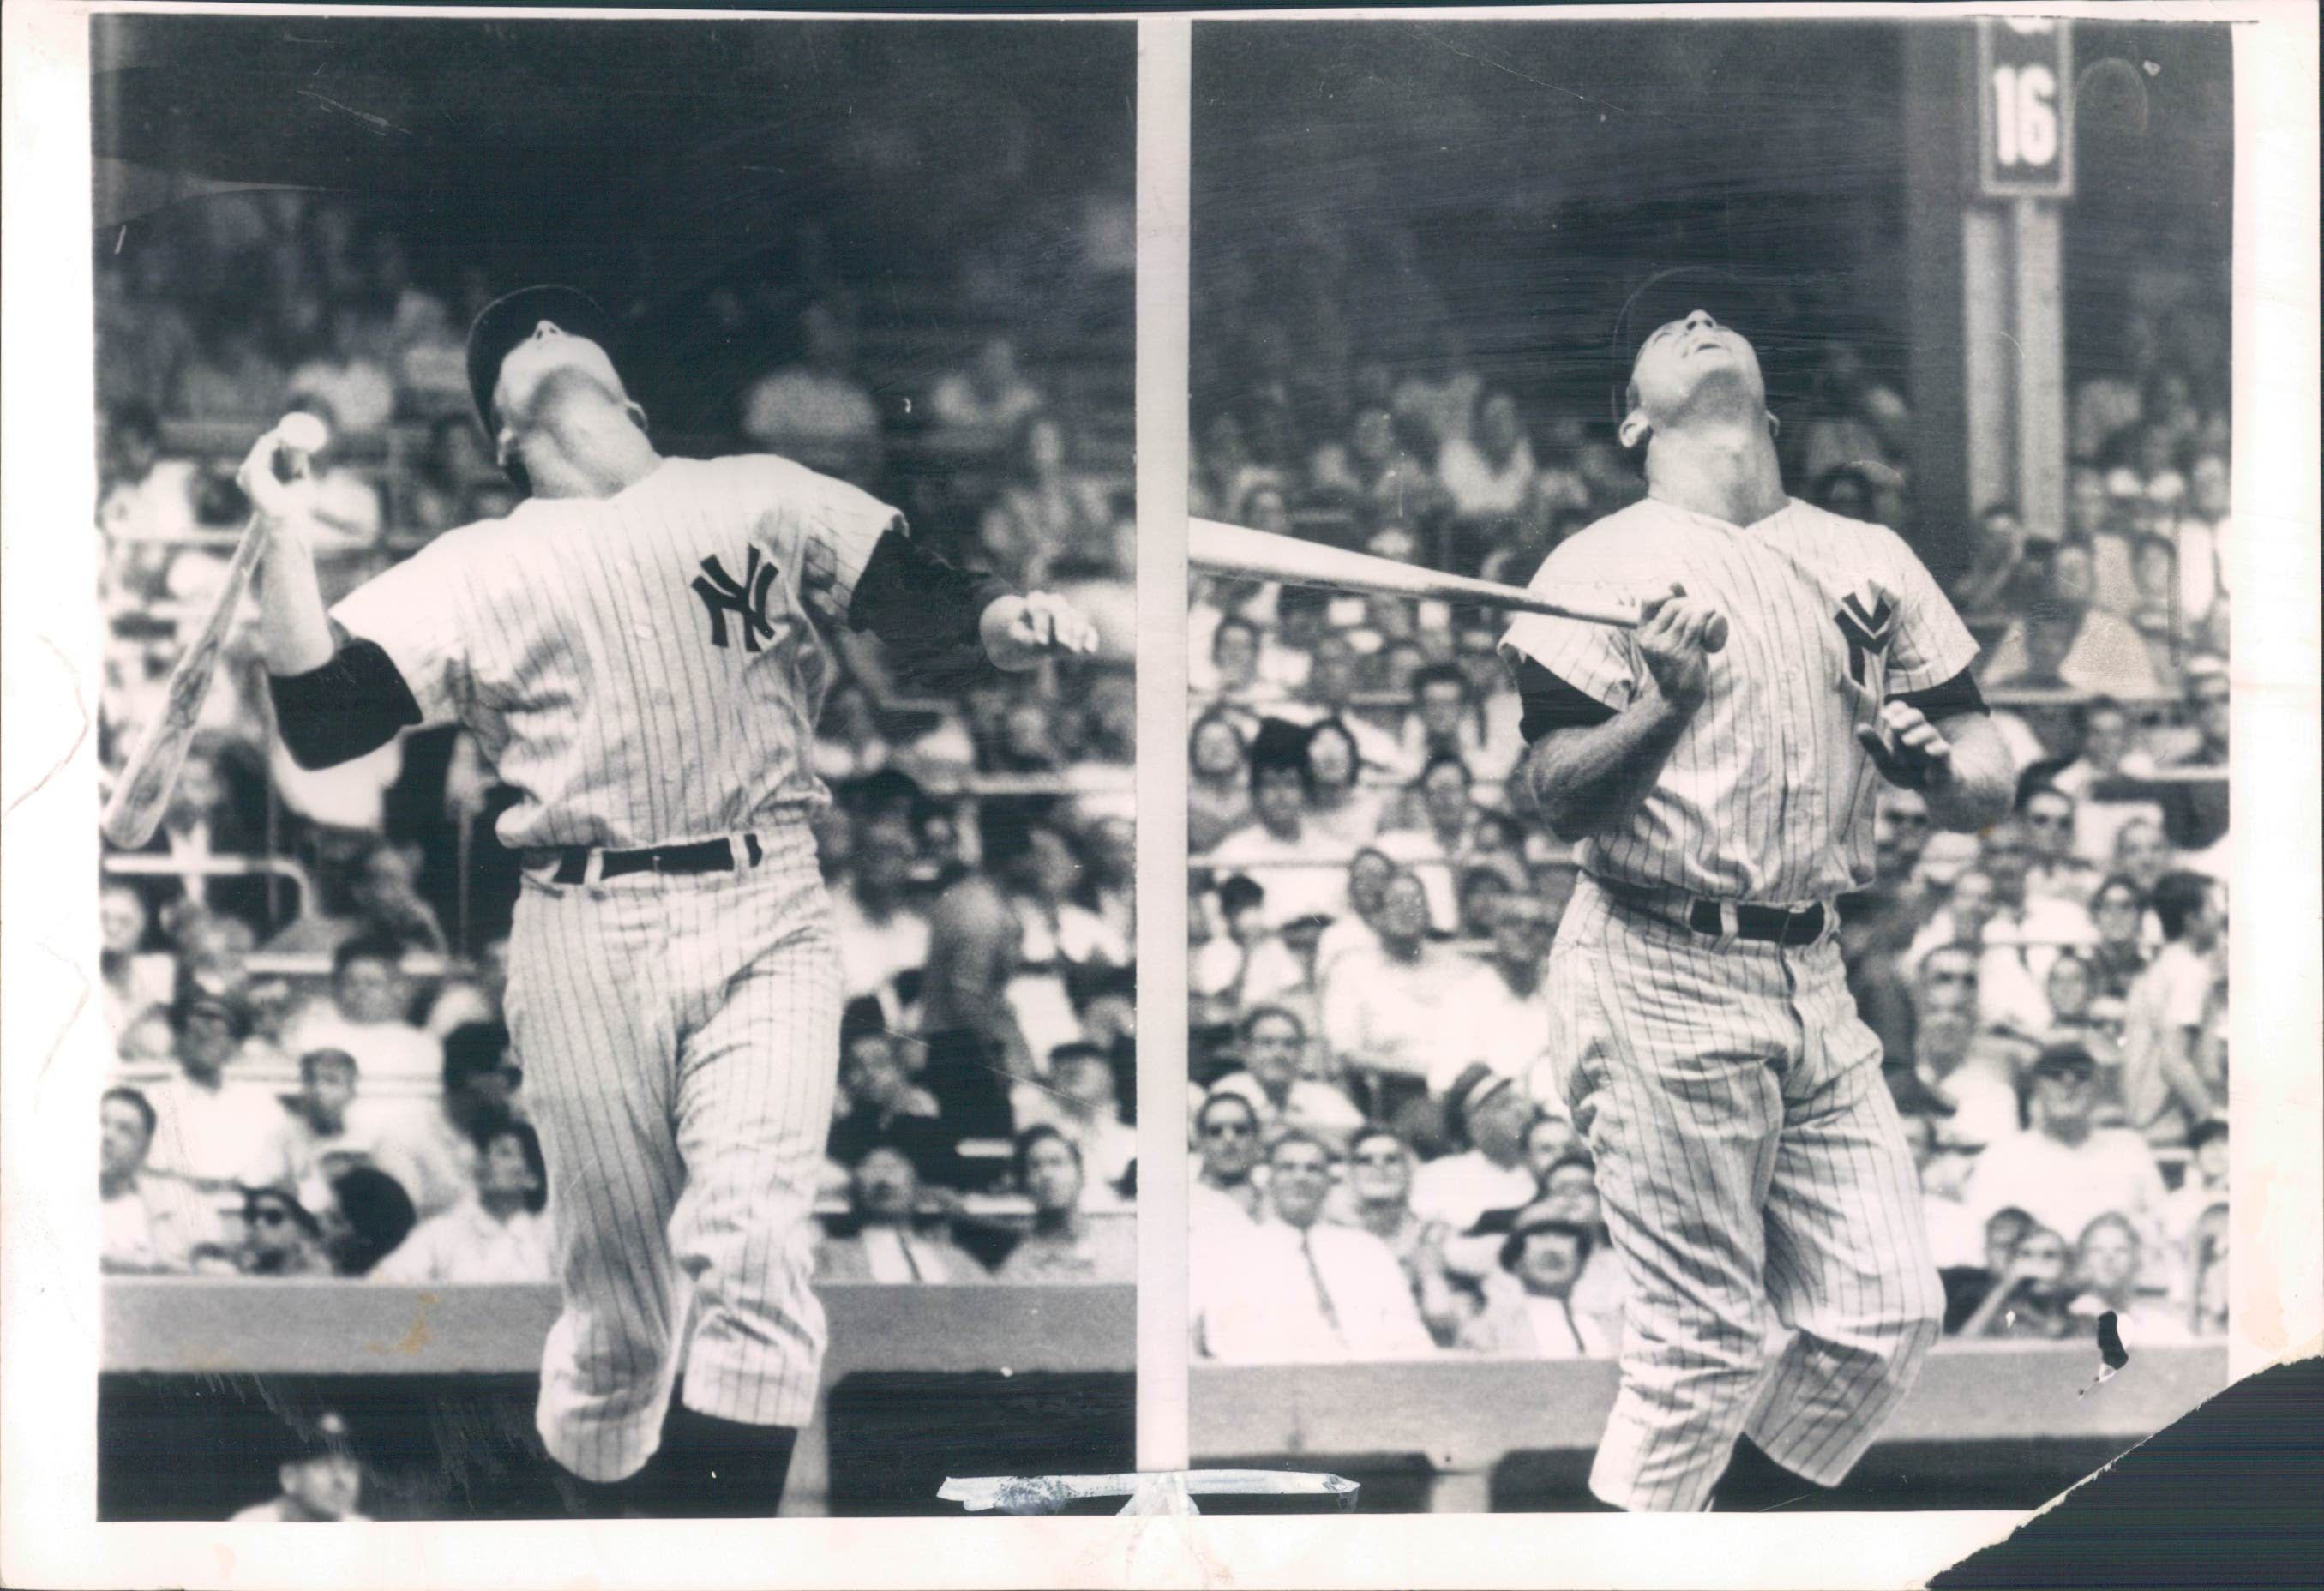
column 279, row 1236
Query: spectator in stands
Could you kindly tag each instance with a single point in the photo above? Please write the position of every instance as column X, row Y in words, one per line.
column 1388, row 1006
column 499, row 1234
column 2057, row 870
column 233, row 375
column 143, row 495
column 2001, row 581
column 435, row 1154
column 2205, row 1182
column 1333, row 675
column 435, row 495
column 1504, row 1004
column 359, row 391
column 1237, row 684
column 882, row 933
column 1444, row 724
column 279, row 1236
column 203, row 824
column 2032, row 1300
column 1047, row 513
column 2067, row 641
column 2142, row 854
column 2165, row 1091
column 134, row 980
column 883, row 1106
column 1439, row 846
column 1218, row 784
column 1968, row 1286
column 1493, row 1115
column 975, row 943
column 2020, row 938
column 1298, row 866
column 2109, row 1266
column 320, row 1119
column 1293, row 1287
column 1969, row 1074
column 1224, row 1191
column 1529, row 1310
column 1081, row 1103
column 1273, row 1045
column 2108, row 750
column 986, row 400
column 479, row 997
column 817, row 410
column 367, row 1015
column 210, row 1127
column 2195, row 813
column 1064, row 1244
column 2063, row 1170
column 1338, row 805
column 367, row 1216
column 383, row 905
column 321, row 1480
column 1376, row 1196
column 884, row 1197
column 1491, row 475
column 2208, row 1291
column 150, row 1224
column 1376, row 469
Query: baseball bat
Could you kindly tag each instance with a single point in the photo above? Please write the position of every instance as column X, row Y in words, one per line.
column 1261, row 554
column 133, row 811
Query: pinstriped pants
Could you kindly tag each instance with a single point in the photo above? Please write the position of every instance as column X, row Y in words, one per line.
column 679, row 1037
column 1753, row 1172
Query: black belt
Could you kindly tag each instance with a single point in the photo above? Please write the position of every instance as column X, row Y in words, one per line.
column 1771, row 924
column 1775, row 925
column 702, row 856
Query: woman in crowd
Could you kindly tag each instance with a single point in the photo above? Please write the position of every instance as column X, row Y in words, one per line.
column 1218, row 784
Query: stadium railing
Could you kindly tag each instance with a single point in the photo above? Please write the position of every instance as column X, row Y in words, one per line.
column 1463, row 1417
column 198, row 1326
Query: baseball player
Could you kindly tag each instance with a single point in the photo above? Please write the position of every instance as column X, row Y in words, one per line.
column 640, row 649
column 1718, row 766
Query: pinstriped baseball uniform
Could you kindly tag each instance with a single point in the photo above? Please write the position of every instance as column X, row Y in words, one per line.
column 645, row 669
column 1750, row 1159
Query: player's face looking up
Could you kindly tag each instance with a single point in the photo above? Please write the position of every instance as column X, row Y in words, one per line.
column 563, row 411
column 1693, row 367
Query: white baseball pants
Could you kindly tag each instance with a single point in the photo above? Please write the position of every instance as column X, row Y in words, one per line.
column 1752, row 1166
column 679, row 1037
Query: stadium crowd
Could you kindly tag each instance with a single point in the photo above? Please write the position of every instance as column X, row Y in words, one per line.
column 304, row 972
column 1384, row 1165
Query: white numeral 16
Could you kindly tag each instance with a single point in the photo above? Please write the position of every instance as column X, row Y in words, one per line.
column 2025, row 115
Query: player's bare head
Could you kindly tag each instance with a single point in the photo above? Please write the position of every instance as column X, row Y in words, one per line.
column 1688, row 371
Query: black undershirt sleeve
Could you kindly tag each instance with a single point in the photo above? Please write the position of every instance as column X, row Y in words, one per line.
column 355, row 703
column 1955, row 695
column 926, row 611
column 1551, row 703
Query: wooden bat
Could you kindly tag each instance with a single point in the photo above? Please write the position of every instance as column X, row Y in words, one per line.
column 1260, row 554
column 134, row 809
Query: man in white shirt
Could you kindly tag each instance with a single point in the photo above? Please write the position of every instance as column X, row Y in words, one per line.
column 817, row 412
column 1273, row 1046
column 1494, row 1114
column 322, row 1118
column 366, row 1017
column 2021, row 936
column 151, row 1224
column 881, row 934
column 1504, row 1004
column 499, row 1235
column 2063, row 1171
column 2164, row 1090
column 884, row 1194
column 1296, row 1289
column 1303, row 871
column 1387, row 1009
column 209, row 1129
column 1491, row 475
column 1225, row 1191
column 1438, row 849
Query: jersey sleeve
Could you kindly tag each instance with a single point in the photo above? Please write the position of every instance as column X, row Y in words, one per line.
column 1932, row 644
column 412, row 613
column 839, row 527
column 1600, row 660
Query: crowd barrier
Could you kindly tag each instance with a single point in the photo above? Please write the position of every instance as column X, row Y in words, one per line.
column 1459, row 1421
column 200, row 1328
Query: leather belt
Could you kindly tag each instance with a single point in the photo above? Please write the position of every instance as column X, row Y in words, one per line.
column 1715, row 919
column 701, row 856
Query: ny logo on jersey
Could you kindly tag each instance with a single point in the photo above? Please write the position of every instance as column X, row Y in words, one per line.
column 746, row 599
column 1868, row 622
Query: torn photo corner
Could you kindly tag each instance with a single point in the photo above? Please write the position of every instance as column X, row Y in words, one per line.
column 1158, row 1493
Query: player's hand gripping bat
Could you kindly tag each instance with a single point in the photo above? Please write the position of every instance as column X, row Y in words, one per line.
column 143, row 791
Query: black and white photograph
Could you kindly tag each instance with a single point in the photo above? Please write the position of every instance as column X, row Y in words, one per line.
column 617, row 734
column 1708, row 747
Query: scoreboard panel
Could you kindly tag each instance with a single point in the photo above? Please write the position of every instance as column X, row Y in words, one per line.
column 2026, row 107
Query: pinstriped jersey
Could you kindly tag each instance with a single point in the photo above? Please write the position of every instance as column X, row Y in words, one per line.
column 645, row 669
column 1767, row 796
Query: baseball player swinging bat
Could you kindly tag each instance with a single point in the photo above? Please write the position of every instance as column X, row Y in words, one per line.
column 142, row 793
column 1261, row 554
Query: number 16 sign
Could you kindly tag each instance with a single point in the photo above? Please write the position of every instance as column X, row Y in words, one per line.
column 2025, row 107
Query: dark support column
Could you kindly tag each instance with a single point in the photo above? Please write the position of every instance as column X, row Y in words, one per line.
column 1938, row 172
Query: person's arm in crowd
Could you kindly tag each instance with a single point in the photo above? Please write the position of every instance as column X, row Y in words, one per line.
column 1987, row 1319
column 2174, row 1062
